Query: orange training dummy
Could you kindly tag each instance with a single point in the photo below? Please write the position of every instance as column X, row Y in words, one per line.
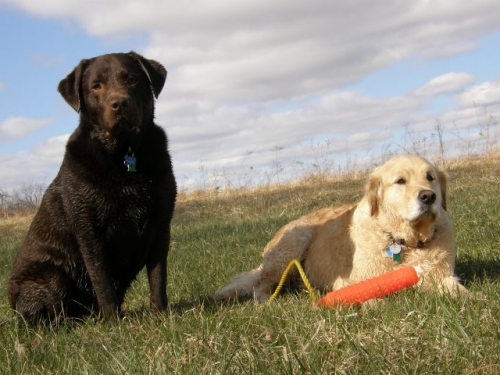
column 376, row 287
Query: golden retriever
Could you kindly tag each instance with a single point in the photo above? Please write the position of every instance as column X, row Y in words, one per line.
column 401, row 221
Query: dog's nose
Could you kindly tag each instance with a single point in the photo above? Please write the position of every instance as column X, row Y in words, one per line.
column 118, row 103
column 427, row 197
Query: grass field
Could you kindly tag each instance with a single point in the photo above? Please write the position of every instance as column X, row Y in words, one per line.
column 217, row 235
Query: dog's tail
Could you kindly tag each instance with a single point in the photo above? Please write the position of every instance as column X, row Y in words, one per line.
column 242, row 286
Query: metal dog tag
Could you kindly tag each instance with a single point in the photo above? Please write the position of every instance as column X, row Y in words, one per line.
column 130, row 162
column 394, row 251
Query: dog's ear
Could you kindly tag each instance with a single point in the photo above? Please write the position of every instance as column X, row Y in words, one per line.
column 443, row 181
column 372, row 194
column 70, row 87
column 156, row 73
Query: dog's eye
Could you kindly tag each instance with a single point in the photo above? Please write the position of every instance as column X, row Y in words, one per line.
column 430, row 177
column 96, row 86
column 400, row 181
column 131, row 81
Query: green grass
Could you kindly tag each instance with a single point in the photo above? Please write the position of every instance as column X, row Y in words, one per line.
column 216, row 236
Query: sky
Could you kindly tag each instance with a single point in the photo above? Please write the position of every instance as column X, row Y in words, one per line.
column 261, row 91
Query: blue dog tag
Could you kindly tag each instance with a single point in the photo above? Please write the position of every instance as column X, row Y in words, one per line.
column 130, row 162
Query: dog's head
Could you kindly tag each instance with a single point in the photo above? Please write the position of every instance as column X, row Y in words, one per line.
column 407, row 187
column 115, row 92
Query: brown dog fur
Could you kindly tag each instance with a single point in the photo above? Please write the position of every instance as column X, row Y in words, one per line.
column 99, row 224
column 404, row 201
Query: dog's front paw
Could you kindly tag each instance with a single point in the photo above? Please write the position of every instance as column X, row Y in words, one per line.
column 451, row 285
column 110, row 313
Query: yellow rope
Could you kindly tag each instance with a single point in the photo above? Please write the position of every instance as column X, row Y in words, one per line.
column 295, row 263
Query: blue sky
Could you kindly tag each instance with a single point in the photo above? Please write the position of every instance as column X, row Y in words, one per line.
column 307, row 83
column 406, row 75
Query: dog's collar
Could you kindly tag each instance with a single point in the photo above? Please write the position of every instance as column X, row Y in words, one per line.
column 396, row 246
column 401, row 242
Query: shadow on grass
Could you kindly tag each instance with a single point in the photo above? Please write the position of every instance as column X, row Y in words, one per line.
column 478, row 271
column 205, row 303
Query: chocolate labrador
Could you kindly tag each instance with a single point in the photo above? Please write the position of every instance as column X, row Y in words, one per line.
column 107, row 213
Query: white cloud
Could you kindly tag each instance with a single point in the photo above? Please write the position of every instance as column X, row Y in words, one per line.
column 15, row 128
column 39, row 165
column 450, row 50
column 267, row 51
column 230, row 138
column 484, row 94
column 445, row 84
column 51, row 150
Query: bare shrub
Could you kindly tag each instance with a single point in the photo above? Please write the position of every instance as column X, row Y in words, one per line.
column 22, row 201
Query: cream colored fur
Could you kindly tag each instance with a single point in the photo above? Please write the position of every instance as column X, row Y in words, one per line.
column 340, row 246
